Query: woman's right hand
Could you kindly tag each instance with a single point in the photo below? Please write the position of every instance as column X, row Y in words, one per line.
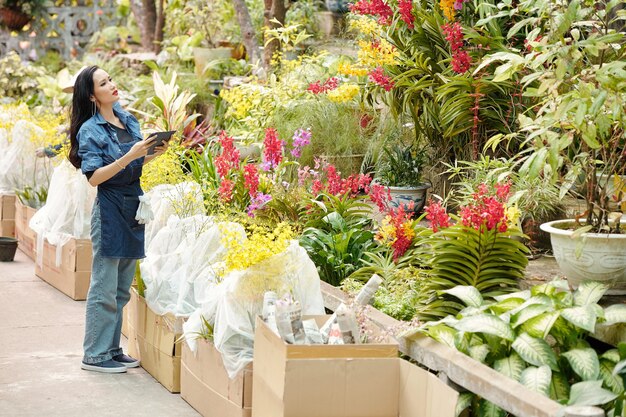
column 140, row 148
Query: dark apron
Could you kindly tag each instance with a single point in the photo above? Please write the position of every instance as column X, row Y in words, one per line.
column 122, row 235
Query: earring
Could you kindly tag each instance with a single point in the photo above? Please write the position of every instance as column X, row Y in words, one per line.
column 94, row 109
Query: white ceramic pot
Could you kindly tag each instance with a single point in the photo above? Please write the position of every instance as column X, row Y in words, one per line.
column 602, row 257
column 405, row 195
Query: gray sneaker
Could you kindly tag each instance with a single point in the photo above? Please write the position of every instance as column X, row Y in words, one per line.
column 107, row 367
column 126, row 360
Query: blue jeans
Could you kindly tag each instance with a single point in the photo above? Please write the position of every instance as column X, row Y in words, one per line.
column 109, row 291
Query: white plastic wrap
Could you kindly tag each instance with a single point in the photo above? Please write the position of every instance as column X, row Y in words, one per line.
column 67, row 212
column 233, row 305
column 18, row 165
column 179, row 263
column 183, row 200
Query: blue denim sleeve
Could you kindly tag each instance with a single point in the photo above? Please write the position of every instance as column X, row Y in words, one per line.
column 90, row 150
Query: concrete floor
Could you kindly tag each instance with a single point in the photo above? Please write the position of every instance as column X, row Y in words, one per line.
column 41, row 335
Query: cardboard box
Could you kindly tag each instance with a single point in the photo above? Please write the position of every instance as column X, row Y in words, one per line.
column 152, row 339
column 7, row 215
column 73, row 273
column 205, row 385
column 367, row 380
column 26, row 236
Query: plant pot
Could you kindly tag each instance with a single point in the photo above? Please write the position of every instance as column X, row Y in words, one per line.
column 602, row 257
column 204, row 56
column 8, row 246
column 405, row 195
column 13, row 19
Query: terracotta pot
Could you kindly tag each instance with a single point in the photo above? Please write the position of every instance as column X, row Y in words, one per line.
column 592, row 256
column 13, row 19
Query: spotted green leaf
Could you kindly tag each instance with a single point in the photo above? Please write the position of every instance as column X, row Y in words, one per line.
column 615, row 314
column 512, row 366
column 537, row 379
column 583, row 317
column 584, row 362
column 589, row 292
column 535, row 351
column 468, row 294
column 485, row 323
column 590, row 393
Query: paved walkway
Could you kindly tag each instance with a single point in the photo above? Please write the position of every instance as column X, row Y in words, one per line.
column 41, row 334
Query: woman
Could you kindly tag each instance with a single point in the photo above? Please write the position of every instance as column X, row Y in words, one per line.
column 107, row 145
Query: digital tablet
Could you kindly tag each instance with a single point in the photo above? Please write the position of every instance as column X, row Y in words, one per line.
column 160, row 138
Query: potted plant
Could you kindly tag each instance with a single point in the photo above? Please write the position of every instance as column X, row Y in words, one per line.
column 401, row 169
column 579, row 78
column 15, row 14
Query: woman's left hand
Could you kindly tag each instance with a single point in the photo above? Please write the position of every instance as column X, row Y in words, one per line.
column 160, row 150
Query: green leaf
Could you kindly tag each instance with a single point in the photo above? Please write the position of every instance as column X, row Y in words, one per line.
column 615, row 314
column 464, row 401
column 537, row 379
column 485, row 323
column 584, row 362
column 590, row 393
column 541, row 325
column 443, row 334
column 559, row 387
column 513, row 366
column 468, row 294
column 489, row 409
column 528, row 313
column 611, row 355
column 535, row 351
column 583, row 317
column 505, row 305
column 589, row 292
column 614, row 382
column 479, row 352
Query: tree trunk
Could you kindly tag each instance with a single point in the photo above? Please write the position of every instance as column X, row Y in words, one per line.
column 158, row 30
column 145, row 13
column 274, row 9
column 247, row 31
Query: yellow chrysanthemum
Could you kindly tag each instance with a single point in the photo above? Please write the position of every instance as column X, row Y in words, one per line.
column 343, row 93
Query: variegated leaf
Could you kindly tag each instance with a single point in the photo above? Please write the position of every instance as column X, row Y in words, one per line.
column 559, row 387
column 535, row 351
column 513, row 366
column 583, row 317
column 464, row 401
column 584, row 362
column 590, row 393
column 589, row 292
column 468, row 294
column 485, row 323
column 615, row 314
column 479, row 352
column 537, row 379
column 614, row 382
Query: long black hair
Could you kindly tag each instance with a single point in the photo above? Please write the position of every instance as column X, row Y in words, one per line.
column 82, row 109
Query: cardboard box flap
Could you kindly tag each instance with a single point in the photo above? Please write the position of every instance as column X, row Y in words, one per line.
column 369, row 350
column 422, row 394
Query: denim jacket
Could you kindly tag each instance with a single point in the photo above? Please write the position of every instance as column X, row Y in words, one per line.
column 118, row 197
